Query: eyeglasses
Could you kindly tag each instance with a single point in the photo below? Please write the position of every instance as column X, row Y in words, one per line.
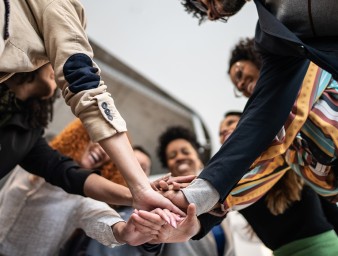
column 201, row 7
column 238, row 72
column 237, row 78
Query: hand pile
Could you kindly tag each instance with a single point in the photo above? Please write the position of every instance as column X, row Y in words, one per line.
column 165, row 217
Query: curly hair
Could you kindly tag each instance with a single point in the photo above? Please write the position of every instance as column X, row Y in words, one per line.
column 72, row 142
column 173, row 133
column 245, row 50
column 229, row 6
column 190, row 8
column 38, row 112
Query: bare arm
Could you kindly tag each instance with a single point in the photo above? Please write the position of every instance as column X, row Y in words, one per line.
column 104, row 190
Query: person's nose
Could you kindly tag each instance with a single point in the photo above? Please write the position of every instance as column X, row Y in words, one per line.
column 180, row 156
column 240, row 85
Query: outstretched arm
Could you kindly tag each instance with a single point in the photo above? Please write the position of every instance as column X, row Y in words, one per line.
column 79, row 78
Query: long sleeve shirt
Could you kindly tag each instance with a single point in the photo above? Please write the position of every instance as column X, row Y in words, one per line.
column 36, row 218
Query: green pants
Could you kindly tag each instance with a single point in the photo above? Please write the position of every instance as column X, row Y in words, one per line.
column 325, row 244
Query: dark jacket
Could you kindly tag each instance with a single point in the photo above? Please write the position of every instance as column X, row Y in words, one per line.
column 20, row 144
column 285, row 61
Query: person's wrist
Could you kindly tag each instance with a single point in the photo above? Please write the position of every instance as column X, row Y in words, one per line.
column 139, row 190
column 117, row 229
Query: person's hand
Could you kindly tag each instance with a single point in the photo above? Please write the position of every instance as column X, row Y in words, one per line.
column 168, row 182
column 186, row 229
column 143, row 226
column 148, row 199
column 176, row 197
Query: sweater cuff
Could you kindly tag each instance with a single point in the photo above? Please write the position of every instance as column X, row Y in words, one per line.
column 198, row 191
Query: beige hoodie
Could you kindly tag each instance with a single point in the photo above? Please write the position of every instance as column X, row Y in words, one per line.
column 42, row 31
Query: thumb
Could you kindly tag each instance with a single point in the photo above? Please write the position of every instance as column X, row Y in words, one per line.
column 191, row 211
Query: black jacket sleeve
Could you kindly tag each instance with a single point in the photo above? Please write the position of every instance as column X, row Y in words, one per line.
column 55, row 168
column 264, row 115
column 207, row 221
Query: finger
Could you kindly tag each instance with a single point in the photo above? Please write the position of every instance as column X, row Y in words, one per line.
column 167, row 215
column 182, row 179
column 176, row 186
column 172, row 217
column 163, row 185
column 164, row 215
column 191, row 212
column 154, row 185
column 150, row 220
column 165, row 178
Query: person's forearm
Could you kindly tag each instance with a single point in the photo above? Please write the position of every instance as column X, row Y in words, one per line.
column 197, row 192
column 104, row 190
column 120, row 151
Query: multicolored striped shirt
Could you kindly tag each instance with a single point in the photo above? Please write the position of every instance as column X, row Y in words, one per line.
column 307, row 144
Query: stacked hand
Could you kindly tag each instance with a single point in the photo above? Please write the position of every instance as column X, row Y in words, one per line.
column 149, row 199
column 167, row 224
column 168, row 182
column 170, row 187
column 143, row 226
column 187, row 228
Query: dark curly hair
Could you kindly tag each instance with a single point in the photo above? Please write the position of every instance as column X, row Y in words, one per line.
column 245, row 50
column 40, row 112
column 173, row 133
column 229, row 6
column 190, row 8
column 37, row 111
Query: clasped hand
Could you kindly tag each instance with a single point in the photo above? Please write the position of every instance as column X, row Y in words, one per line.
column 161, row 225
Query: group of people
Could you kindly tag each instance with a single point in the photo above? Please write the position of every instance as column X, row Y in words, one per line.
column 278, row 164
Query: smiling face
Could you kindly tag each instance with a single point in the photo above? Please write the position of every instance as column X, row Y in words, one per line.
column 244, row 75
column 182, row 158
column 227, row 126
column 94, row 157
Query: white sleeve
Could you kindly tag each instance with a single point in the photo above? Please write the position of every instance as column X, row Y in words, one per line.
column 96, row 219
